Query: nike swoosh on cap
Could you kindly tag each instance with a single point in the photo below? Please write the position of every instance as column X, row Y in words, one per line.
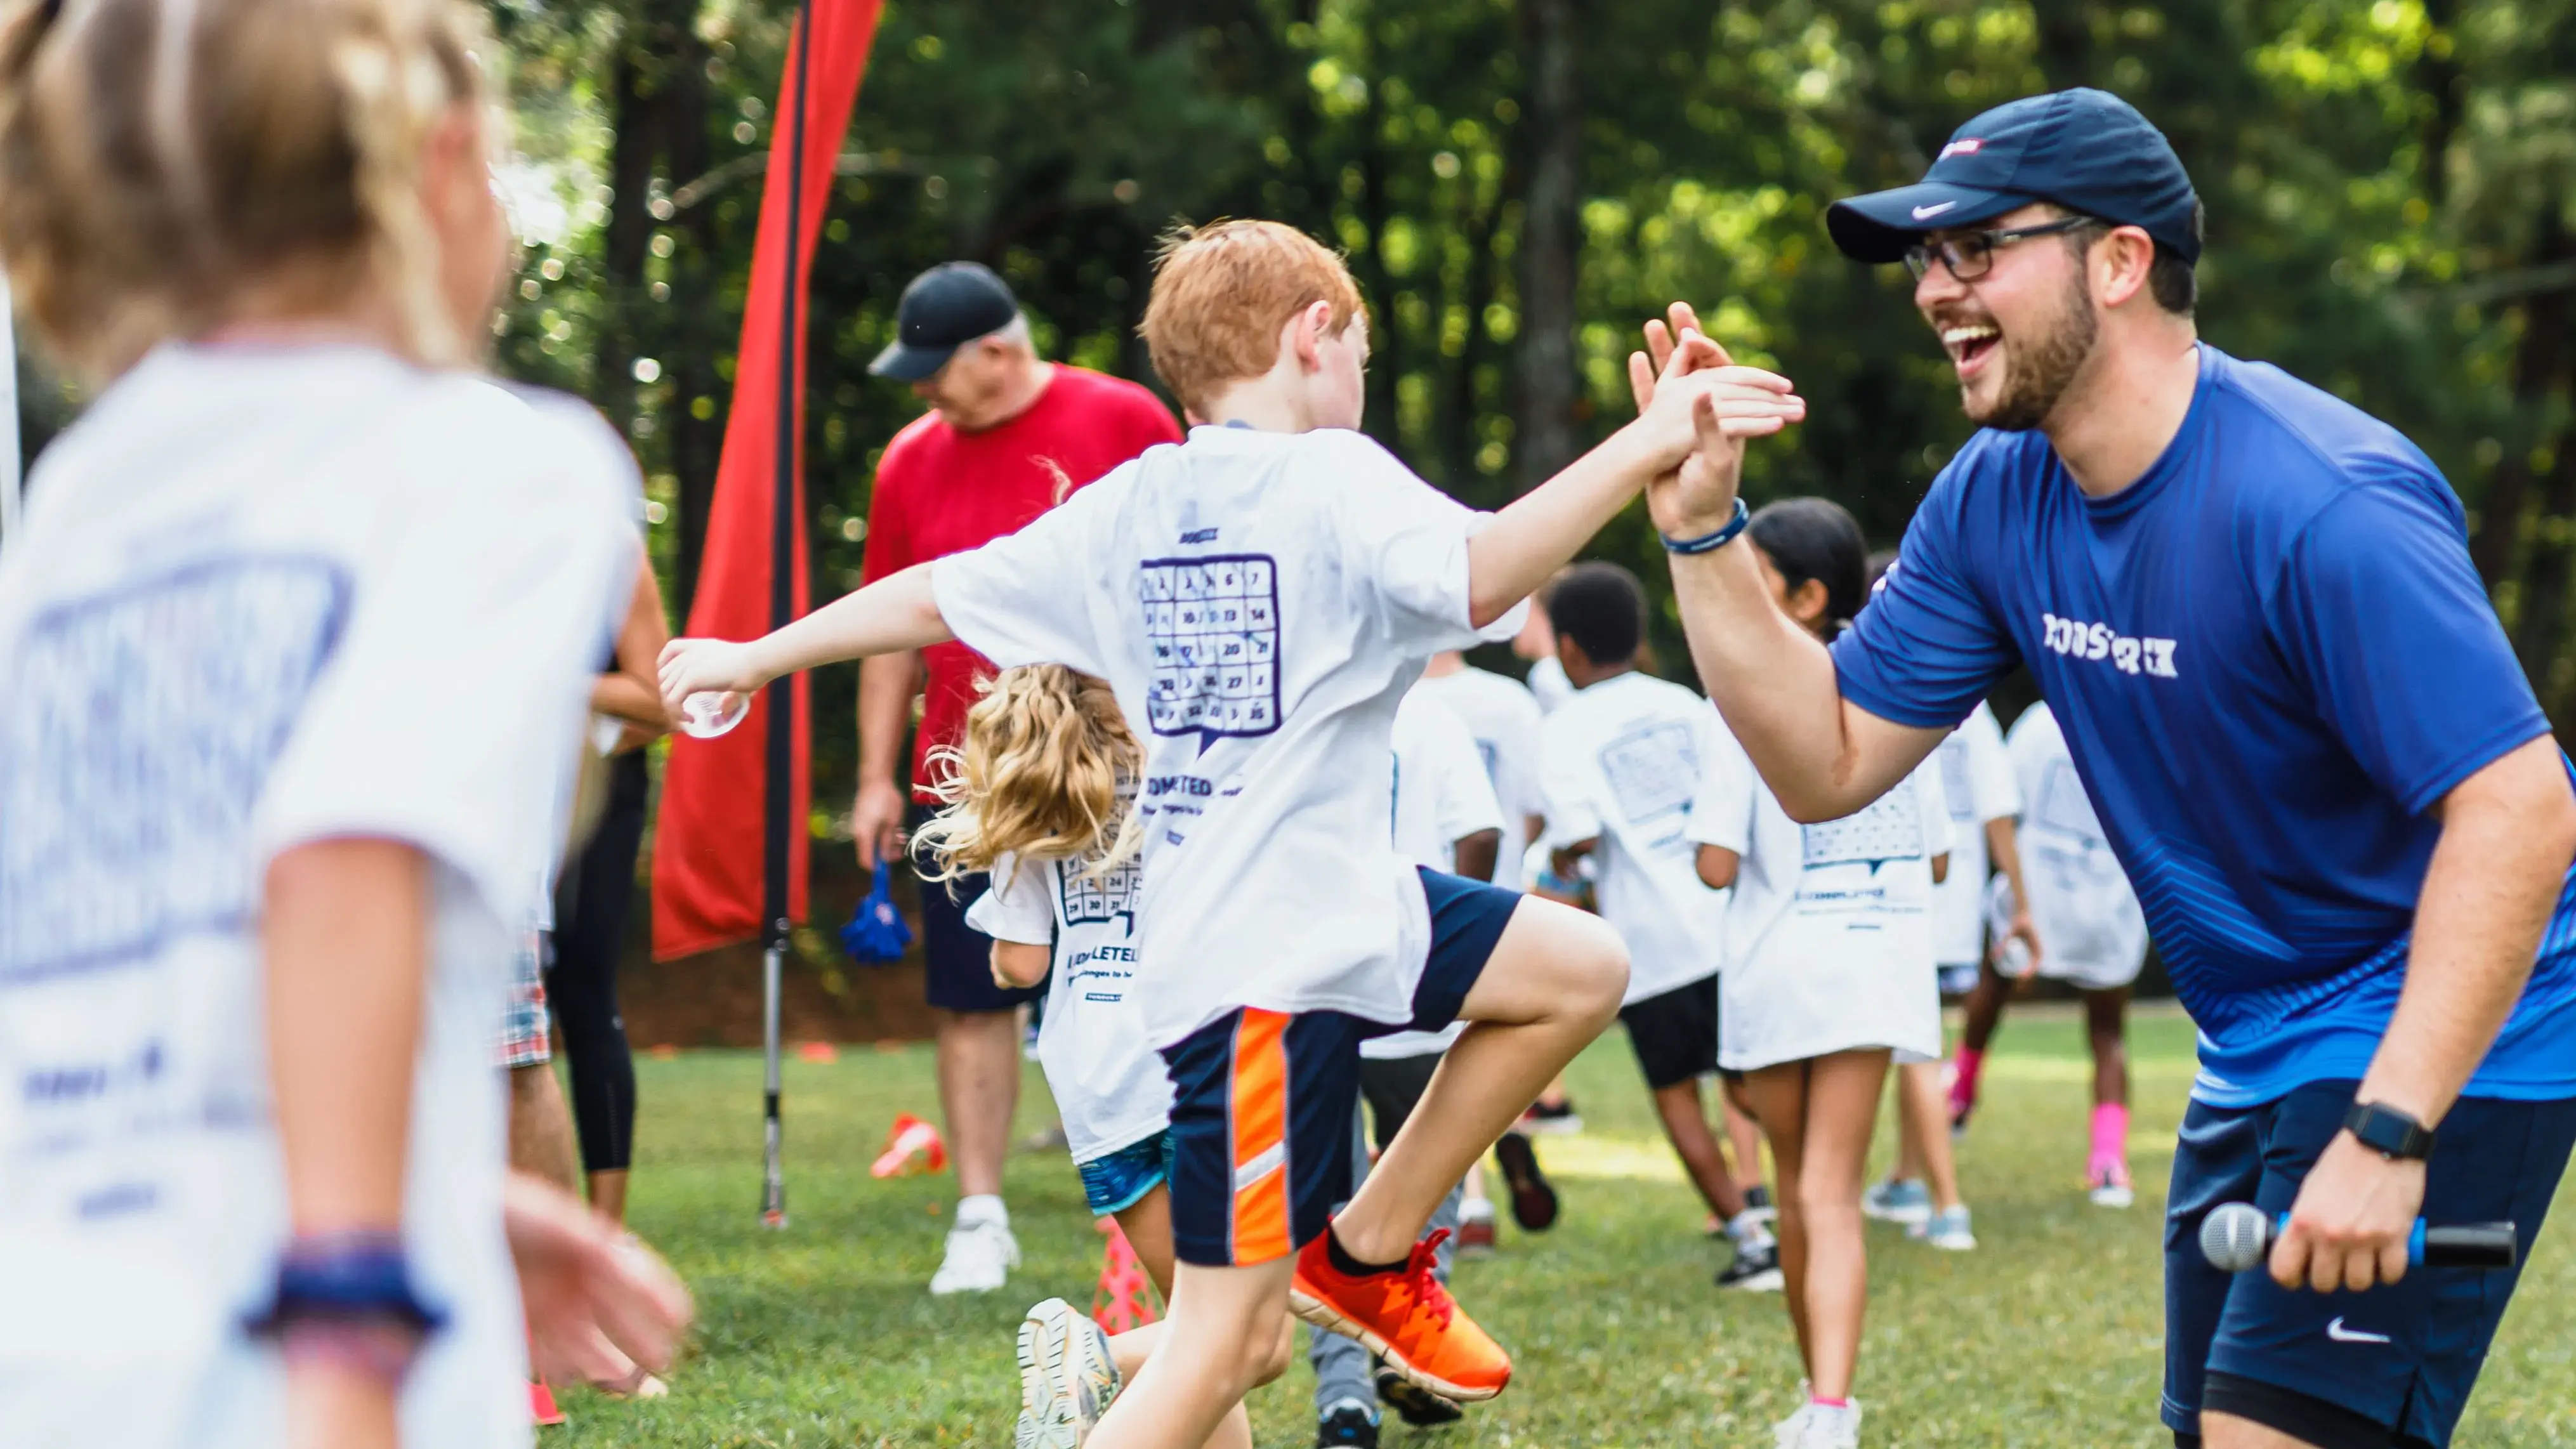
column 2341, row 1334
column 1935, row 209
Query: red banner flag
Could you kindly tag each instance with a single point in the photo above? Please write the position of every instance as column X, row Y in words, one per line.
column 709, row 850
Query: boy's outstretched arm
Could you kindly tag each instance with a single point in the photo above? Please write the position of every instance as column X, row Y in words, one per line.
column 896, row 612
column 1541, row 532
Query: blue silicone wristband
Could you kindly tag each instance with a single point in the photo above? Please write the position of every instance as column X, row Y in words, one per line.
column 1711, row 542
column 346, row 1277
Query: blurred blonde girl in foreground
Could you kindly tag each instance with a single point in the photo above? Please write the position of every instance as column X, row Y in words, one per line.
column 260, row 854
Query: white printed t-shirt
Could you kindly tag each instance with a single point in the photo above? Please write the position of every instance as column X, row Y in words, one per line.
column 1108, row 1084
column 2092, row 930
column 1829, row 939
column 265, row 597
column 1977, row 780
column 1548, row 684
column 1441, row 797
column 1504, row 717
column 1260, row 602
column 1624, row 761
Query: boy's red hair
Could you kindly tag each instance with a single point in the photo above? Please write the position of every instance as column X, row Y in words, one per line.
column 1221, row 294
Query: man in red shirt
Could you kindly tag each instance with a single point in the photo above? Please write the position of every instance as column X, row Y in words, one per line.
column 981, row 463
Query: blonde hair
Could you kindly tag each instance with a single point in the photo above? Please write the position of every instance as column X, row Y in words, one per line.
column 159, row 157
column 1037, row 775
column 1221, row 294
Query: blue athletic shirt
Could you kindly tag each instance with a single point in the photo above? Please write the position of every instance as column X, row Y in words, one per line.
column 2270, row 655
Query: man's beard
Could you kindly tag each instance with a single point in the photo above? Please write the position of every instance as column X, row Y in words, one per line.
column 2043, row 368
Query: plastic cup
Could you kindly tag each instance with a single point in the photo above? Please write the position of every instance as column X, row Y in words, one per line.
column 711, row 712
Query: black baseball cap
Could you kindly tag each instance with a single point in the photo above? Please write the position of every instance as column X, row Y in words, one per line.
column 2086, row 150
column 942, row 309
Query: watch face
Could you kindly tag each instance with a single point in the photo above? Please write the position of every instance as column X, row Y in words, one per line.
column 2389, row 1131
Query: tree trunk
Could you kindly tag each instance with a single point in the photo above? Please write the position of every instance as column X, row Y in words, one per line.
column 2536, row 365
column 1551, row 246
column 2065, row 42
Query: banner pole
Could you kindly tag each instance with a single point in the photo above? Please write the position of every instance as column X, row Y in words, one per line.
column 10, row 481
column 782, row 549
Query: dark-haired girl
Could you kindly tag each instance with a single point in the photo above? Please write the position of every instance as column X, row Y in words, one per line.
column 1828, row 972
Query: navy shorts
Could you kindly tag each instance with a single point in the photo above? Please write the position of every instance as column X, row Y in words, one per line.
column 1262, row 1100
column 957, row 974
column 2404, row 1355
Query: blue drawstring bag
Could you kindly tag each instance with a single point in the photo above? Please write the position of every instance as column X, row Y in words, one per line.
column 876, row 933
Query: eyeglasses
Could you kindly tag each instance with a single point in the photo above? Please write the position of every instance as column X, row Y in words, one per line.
column 1970, row 255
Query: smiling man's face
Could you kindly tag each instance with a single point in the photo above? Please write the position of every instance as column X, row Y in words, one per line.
column 2018, row 334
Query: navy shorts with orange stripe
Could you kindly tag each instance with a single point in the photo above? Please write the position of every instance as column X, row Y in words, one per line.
column 1262, row 1100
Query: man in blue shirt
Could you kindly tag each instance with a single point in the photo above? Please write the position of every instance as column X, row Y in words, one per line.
column 2252, row 609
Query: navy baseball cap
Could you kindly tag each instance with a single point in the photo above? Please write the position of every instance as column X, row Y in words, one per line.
column 942, row 309
column 2086, row 150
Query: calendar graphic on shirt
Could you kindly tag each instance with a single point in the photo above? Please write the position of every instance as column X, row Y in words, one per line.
column 1890, row 829
column 1653, row 772
column 1098, row 899
column 1212, row 626
column 2061, row 806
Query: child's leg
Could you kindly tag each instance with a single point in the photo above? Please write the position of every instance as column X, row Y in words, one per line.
column 2106, row 1032
column 1686, row 1127
column 1985, row 1013
column 1228, row 1335
column 1147, row 1222
column 1551, row 983
column 1842, row 1106
column 1779, row 1098
column 1923, row 1131
column 1742, row 1132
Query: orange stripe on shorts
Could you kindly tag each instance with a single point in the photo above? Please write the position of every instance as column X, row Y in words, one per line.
column 1258, row 1105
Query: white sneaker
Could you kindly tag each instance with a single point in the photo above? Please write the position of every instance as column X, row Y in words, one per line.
column 1790, row 1431
column 2111, row 1187
column 1832, row 1428
column 980, row 1258
column 1067, row 1377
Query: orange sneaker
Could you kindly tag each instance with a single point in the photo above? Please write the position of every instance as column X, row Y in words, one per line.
column 1405, row 1317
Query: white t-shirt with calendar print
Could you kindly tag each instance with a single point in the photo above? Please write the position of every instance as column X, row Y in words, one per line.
column 266, row 596
column 1977, row 781
column 1260, row 602
column 1504, row 717
column 2092, row 931
column 1623, row 759
column 1441, row 797
column 1109, row 1086
column 1829, row 938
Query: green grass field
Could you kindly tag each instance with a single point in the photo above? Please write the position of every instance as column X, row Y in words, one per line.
column 2049, row 1334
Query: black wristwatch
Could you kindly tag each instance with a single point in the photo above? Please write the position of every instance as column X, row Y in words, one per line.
column 2389, row 1132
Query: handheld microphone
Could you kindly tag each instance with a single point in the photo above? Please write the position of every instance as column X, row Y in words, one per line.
column 2237, row 1236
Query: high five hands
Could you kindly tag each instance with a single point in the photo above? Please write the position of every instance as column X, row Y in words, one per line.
column 1732, row 404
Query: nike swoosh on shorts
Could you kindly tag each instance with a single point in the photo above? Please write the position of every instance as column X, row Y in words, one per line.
column 2341, row 1334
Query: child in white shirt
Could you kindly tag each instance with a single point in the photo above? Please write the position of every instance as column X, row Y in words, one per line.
column 1260, row 598
column 2090, row 930
column 257, row 897
column 1624, row 759
column 1828, row 971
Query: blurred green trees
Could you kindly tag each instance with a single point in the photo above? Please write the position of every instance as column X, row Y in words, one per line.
column 2391, row 187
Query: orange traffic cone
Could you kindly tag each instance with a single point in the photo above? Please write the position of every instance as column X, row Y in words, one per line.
column 912, row 1147
column 1125, row 1299
column 541, row 1405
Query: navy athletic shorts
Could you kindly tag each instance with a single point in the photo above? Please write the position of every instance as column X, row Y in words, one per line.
column 957, row 959
column 2404, row 1355
column 1262, row 1100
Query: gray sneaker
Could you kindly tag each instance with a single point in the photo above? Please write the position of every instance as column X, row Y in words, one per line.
column 1947, row 1230
column 1067, row 1377
column 1908, row 1202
